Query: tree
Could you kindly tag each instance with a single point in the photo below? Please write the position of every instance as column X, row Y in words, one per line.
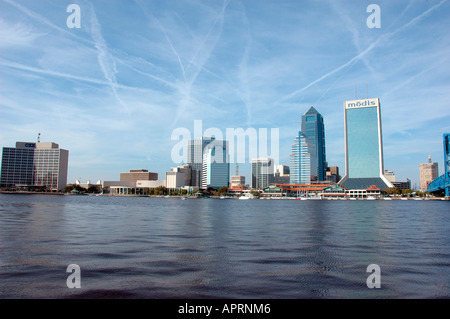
column 223, row 190
column 406, row 191
column 255, row 193
column 71, row 187
column 391, row 191
column 93, row 189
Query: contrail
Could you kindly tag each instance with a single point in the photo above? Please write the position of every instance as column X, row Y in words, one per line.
column 22, row 67
column 362, row 54
column 105, row 59
column 165, row 35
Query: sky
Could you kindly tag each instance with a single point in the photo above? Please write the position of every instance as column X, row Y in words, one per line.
column 114, row 90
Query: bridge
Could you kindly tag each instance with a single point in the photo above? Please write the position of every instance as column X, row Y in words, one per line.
column 442, row 183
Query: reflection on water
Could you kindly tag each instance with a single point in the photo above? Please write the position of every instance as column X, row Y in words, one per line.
column 208, row 248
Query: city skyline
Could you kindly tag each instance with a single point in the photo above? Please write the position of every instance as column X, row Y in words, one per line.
column 112, row 92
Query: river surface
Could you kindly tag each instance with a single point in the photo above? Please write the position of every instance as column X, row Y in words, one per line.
column 141, row 247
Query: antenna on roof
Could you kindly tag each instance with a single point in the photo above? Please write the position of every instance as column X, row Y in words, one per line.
column 39, row 138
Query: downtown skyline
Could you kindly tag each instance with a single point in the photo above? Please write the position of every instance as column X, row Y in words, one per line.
column 113, row 91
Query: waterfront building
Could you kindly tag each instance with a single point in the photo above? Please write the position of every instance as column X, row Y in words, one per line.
column 333, row 174
column 363, row 146
column 428, row 172
column 175, row 180
column 262, row 172
column 187, row 170
column 216, row 165
column 149, row 184
column 308, row 159
column 402, row 185
column 34, row 165
column 390, row 176
column 313, row 129
column 303, row 161
column 282, row 174
column 195, row 152
column 237, row 180
column 138, row 174
column 294, row 190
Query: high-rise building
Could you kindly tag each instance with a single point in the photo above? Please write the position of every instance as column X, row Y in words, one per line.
column 428, row 172
column 390, row 176
column 333, row 174
column 363, row 145
column 216, row 165
column 308, row 159
column 313, row 128
column 237, row 180
column 303, row 161
column 281, row 174
column 262, row 172
column 195, row 151
column 34, row 165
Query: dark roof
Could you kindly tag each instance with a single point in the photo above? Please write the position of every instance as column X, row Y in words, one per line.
column 363, row 183
column 312, row 110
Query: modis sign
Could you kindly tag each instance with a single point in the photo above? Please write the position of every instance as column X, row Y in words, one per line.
column 355, row 104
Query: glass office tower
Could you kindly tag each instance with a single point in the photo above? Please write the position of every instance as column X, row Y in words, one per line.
column 308, row 159
column 262, row 172
column 195, row 152
column 313, row 129
column 216, row 165
column 363, row 145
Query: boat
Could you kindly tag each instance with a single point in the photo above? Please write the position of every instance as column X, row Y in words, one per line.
column 404, row 198
column 387, row 198
column 371, row 198
column 247, row 196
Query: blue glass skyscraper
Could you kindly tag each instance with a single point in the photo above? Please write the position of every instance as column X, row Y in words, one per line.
column 308, row 159
column 363, row 145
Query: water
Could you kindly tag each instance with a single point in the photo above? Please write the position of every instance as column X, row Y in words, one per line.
column 215, row 248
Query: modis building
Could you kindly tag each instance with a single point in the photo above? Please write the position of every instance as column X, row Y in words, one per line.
column 363, row 145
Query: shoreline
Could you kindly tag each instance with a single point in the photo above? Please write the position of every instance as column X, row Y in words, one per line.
column 213, row 197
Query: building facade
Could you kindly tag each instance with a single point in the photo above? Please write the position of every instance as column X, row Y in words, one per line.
column 333, row 174
column 428, row 172
column 262, row 172
column 27, row 165
column 195, row 152
column 216, row 165
column 135, row 175
column 308, row 158
column 175, row 180
column 282, row 174
column 313, row 128
column 304, row 165
column 363, row 145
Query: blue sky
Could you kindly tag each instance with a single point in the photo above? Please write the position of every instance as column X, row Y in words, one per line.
column 113, row 91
